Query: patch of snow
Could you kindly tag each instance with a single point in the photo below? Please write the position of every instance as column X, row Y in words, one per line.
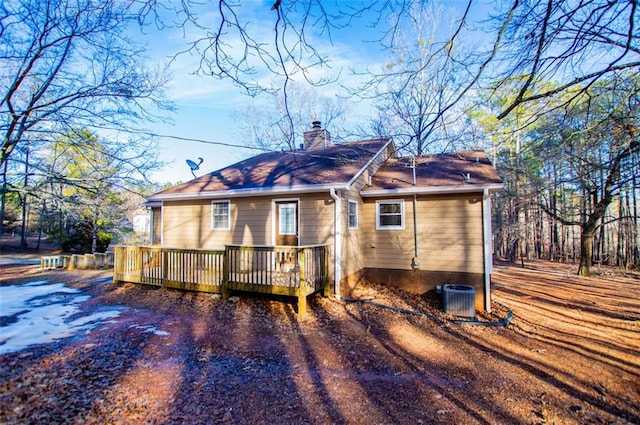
column 150, row 329
column 40, row 312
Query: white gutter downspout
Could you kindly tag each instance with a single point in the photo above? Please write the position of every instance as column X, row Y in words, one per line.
column 488, row 249
column 337, row 241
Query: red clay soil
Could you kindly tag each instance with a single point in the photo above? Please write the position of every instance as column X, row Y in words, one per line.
column 571, row 355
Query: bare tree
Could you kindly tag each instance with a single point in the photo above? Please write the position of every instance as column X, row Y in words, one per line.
column 82, row 181
column 574, row 44
column 413, row 91
column 249, row 44
column 70, row 64
column 592, row 145
column 265, row 125
column 66, row 65
column 245, row 42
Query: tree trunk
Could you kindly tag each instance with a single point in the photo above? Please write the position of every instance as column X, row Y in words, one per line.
column 25, row 204
column 41, row 222
column 631, row 222
column 3, row 197
column 23, row 228
column 603, row 244
column 586, row 251
column 620, row 249
column 94, row 239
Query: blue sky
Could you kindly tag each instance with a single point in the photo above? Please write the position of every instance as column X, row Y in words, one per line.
column 206, row 106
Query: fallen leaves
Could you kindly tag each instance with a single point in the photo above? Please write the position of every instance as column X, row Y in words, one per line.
column 256, row 362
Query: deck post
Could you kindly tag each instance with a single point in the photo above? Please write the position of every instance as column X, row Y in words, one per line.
column 117, row 263
column 302, row 302
column 302, row 287
column 164, row 271
column 326, row 289
column 225, row 273
column 327, row 282
column 139, row 263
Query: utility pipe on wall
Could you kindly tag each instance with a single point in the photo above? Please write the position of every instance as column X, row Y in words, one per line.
column 337, row 240
column 415, row 263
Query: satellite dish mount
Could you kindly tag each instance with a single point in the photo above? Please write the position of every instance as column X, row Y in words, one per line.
column 194, row 166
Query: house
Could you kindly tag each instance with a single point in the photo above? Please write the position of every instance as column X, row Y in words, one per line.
column 141, row 220
column 411, row 223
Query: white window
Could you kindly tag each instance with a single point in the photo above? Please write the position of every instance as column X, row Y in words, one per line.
column 287, row 219
column 220, row 215
column 390, row 215
column 353, row 214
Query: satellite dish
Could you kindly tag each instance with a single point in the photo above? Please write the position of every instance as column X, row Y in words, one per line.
column 194, row 166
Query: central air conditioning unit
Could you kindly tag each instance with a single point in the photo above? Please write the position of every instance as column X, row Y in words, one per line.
column 459, row 300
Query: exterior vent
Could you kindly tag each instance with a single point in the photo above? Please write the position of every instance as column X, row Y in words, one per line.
column 459, row 300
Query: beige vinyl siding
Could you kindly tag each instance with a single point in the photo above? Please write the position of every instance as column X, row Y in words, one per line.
column 352, row 258
column 353, row 241
column 182, row 223
column 316, row 219
column 251, row 221
column 187, row 224
column 449, row 235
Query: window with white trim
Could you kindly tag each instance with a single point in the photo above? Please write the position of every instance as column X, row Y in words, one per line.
column 390, row 214
column 287, row 219
column 220, row 215
column 352, row 214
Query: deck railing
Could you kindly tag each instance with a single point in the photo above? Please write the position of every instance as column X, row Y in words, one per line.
column 281, row 270
column 191, row 269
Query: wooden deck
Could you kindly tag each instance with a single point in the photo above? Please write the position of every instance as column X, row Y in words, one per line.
column 296, row 271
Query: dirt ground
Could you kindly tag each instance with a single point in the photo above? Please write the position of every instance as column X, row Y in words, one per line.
column 571, row 355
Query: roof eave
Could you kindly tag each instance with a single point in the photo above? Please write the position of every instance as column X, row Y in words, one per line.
column 432, row 190
column 239, row 193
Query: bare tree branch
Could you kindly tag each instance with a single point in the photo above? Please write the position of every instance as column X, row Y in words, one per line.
column 596, row 36
column 69, row 64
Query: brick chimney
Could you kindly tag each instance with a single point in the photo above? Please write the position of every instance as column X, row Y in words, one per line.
column 317, row 137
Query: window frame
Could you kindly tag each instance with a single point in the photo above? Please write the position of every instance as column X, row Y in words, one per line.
column 228, row 215
column 350, row 215
column 379, row 225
